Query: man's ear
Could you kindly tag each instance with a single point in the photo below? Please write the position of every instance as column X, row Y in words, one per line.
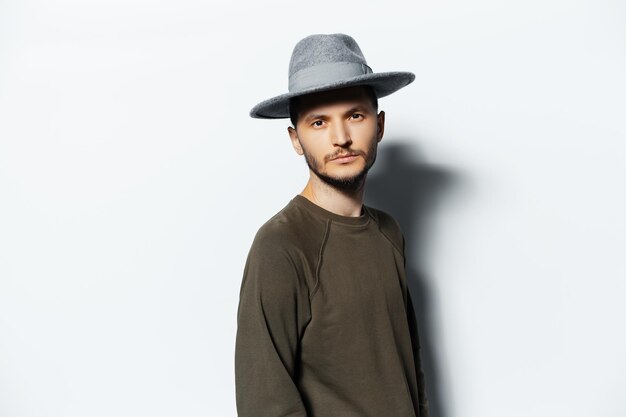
column 380, row 126
column 295, row 142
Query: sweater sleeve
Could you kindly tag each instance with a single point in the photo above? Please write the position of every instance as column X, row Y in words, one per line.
column 415, row 343
column 419, row 370
column 273, row 312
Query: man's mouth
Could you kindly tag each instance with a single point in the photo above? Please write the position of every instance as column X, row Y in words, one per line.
column 348, row 157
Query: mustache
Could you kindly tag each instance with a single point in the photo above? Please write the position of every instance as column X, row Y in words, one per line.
column 342, row 153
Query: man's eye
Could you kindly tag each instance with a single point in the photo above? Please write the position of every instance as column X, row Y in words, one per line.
column 317, row 123
column 356, row 116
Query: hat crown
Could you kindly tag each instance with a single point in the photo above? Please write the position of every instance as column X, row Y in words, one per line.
column 324, row 49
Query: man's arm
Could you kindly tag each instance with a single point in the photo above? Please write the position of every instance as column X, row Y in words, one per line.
column 273, row 311
column 419, row 370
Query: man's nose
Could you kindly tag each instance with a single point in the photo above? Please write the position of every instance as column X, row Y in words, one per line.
column 341, row 135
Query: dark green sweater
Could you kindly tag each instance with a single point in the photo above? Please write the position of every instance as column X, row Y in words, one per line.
column 325, row 322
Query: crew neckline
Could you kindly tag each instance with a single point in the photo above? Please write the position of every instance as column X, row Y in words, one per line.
column 304, row 202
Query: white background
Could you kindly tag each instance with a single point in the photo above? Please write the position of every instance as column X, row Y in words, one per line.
column 132, row 182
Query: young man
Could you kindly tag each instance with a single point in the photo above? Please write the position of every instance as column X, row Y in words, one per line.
column 325, row 322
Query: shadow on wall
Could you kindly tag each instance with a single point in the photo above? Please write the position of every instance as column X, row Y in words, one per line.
column 409, row 189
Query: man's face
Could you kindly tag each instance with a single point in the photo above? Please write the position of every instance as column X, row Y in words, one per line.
column 338, row 132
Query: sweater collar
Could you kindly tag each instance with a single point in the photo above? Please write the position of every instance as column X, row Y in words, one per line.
column 308, row 205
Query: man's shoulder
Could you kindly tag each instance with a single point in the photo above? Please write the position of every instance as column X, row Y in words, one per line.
column 285, row 246
column 279, row 228
column 388, row 226
column 290, row 228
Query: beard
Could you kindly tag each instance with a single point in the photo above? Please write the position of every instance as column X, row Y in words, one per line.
column 351, row 183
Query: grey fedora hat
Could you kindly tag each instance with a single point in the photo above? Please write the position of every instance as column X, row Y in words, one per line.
column 327, row 62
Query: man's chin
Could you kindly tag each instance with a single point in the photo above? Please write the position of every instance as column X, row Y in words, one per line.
column 344, row 183
column 347, row 178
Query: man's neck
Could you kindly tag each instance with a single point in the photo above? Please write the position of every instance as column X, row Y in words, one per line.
column 344, row 203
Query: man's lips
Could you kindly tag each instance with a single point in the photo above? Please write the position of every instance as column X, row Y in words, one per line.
column 345, row 157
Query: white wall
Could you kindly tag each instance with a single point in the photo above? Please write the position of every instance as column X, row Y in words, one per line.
column 132, row 182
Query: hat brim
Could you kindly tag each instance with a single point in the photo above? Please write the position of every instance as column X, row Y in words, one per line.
column 384, row 83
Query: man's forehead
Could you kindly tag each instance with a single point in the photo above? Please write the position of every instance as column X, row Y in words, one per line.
column 349, row 96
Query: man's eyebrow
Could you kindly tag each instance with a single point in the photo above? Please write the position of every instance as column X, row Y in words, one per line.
column 315, row 116
column 359, row 108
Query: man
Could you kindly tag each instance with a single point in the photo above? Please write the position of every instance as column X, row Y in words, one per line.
column 325, row 322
